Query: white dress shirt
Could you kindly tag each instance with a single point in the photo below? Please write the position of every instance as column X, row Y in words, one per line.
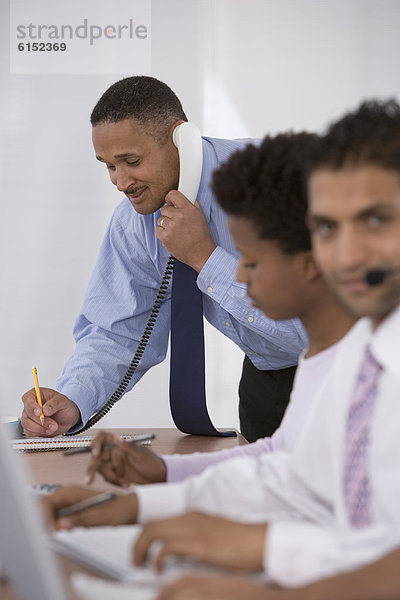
column 300, row 493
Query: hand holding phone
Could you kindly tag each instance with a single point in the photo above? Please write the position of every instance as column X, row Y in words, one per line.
column 185, row 231
column 183, row 228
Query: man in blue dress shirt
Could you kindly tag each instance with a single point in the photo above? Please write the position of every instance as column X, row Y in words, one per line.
column 132, row 135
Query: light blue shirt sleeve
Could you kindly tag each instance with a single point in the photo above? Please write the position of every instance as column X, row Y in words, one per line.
column 124, row 285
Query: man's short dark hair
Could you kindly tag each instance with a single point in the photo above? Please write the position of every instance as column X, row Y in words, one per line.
column 146, row 99
column 266, row 184
column 368, row 136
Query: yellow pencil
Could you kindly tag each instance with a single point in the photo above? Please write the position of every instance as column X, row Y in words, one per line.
column 37, row 390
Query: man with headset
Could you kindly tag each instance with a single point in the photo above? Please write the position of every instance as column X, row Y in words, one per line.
column 132, row 135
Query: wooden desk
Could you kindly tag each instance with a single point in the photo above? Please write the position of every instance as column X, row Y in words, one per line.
column 53, row 467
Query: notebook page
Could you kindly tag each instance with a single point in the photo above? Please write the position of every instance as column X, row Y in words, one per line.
column 60, row 442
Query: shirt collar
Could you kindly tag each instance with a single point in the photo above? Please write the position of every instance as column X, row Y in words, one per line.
column 385, row 342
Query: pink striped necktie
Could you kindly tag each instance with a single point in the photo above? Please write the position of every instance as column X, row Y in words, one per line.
column 355, row 477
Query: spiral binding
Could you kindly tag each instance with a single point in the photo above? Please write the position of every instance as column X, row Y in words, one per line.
column 119, row 392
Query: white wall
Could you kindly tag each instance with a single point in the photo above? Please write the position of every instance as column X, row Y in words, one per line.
column 242, row 68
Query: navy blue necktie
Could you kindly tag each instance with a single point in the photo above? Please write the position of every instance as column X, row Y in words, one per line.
column 187, row 372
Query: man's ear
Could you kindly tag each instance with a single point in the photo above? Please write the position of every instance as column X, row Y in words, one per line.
column 311, row 269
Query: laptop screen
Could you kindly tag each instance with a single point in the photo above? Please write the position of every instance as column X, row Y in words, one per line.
column 25, row 557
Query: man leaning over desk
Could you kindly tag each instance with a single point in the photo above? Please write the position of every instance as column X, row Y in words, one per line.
column 132, row 135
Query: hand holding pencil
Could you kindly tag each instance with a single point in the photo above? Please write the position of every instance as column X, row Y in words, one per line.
column 77, row 506
column 47, row 412
column 123, row 463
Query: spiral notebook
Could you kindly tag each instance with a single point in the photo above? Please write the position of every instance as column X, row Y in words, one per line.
column 60, row 442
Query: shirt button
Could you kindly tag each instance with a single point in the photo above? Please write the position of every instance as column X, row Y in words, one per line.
column 227, row 324
column 249, row 353
column 209, row 289
column 250, row 319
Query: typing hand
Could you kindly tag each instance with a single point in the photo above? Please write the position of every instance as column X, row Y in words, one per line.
column 59, row 411
column 183, row 230
column 220, row 588
column 122, row 510
column 124, row 463
column 209, row 539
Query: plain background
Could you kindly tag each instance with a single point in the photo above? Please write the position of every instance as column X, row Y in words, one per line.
column 241, row 68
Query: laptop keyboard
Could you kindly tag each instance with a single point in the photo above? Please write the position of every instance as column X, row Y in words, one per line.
column 109, row 551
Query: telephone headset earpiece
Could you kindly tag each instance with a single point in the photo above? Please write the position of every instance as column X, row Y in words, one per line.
column 378, row 276
column 187, row 139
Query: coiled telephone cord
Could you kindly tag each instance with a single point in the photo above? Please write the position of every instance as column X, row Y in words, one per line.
column 119, row 392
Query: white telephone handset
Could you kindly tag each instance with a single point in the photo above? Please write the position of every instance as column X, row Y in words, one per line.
column 187, row 139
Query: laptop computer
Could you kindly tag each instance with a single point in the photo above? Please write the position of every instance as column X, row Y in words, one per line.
column 25, row 557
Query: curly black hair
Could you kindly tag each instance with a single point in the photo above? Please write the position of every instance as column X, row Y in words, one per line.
column 266, row 184
column 369, row 135
column 146, row 99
